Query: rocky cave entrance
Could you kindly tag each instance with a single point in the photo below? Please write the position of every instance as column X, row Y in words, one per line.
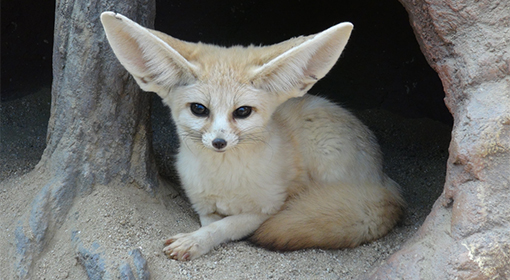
column 383, row 78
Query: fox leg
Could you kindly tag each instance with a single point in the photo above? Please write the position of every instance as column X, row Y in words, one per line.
column 187, row 246
column 209, row 219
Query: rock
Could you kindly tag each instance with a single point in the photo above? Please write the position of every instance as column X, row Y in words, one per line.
column 126, row 273
column 140, row 263
column 91, row 259
column 467, row 234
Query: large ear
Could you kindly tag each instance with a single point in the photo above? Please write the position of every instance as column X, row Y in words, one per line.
column 154, row 64
column 296, row 70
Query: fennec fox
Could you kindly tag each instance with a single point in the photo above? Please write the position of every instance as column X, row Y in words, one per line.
column 258, row 156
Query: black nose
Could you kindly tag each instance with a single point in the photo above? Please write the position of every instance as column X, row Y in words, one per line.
column 219, row 143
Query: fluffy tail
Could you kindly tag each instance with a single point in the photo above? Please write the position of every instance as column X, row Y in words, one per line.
column 332, row 217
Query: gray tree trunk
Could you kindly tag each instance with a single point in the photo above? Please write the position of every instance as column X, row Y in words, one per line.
column 99, row 130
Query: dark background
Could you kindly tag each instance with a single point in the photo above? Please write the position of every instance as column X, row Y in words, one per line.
column 382, row 66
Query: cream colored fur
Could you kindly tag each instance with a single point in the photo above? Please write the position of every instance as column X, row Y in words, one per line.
column 296, row 172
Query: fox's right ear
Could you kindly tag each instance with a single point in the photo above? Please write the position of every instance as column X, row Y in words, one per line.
column 154, row 64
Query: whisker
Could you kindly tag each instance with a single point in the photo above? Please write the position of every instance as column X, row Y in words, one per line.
column 253, row 135
column 191, row 137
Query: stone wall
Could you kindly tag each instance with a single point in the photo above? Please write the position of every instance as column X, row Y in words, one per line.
column 467, row 234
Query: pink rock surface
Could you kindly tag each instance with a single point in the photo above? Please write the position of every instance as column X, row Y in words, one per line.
column 467, row 234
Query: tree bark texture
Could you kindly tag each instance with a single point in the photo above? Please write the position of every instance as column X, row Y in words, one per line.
column 467, row 234
column 99, row 118
column 99, row 129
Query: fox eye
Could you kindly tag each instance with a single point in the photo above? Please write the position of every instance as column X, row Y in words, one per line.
column 242, row 112
column 199, row 110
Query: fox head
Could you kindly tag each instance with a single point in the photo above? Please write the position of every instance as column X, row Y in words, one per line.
column 222, row 97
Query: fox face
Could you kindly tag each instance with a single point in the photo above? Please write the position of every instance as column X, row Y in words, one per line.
column 220, row 109
column 220, row 118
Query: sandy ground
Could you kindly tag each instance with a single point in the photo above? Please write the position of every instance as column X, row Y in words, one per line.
column 113, row 221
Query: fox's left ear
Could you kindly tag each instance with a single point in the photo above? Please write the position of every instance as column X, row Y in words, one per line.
column 299, row 67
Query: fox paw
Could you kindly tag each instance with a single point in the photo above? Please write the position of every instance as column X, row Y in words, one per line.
column 184, row 247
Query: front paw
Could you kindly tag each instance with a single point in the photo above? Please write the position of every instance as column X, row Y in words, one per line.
column 184, row 247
